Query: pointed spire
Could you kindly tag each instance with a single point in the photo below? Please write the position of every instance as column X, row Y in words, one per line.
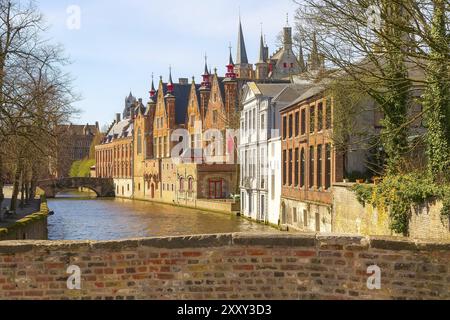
column 262, row 51
column 301, row 57
column 231, row 62
column 152, row 90
column 315, row 59
column 170, row 84
column 241, row 50
column 206, row 72
column 206, row 83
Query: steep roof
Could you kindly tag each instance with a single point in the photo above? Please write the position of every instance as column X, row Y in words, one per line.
column 309, row 93
column 271, row 90
column 120, row 130
column 292, row 92
column 181, row 93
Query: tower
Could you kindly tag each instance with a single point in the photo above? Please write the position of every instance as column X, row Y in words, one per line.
column 262, row 66
column 230, row 68
column 205, row 90
column 170, row 101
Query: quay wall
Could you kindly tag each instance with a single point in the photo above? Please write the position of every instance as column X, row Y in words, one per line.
column 31, row 227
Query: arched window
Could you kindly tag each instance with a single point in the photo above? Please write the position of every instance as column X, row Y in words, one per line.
column 191, row 184
column 139, row 142
column 182, row 184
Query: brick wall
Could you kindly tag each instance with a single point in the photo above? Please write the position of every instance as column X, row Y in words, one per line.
column 229, row 266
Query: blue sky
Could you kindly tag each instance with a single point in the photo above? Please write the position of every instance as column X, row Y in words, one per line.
column 122, row 42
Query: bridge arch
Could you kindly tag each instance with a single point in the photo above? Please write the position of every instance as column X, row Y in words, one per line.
column 101, row 186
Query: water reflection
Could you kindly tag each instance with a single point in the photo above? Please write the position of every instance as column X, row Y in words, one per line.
column 79, row 217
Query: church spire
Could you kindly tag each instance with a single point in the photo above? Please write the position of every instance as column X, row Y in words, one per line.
column 262, row 48
column 315, row 59
column 301, row 57
column 241, row 51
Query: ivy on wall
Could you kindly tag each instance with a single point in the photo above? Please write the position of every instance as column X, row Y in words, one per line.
column 399, row 193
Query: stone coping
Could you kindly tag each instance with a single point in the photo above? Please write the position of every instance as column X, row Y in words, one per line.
column 312, row 241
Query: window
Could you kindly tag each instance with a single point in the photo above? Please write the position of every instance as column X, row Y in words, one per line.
column 328, row 114
column 139, row 187
column 303, row 126
column 263, row 209
column 273, row 186
column 284, row 168
column 291, row 126
column 294, row 215
column 320, row 117
column 263, row 122
column 296, row 168
column 254, row 119
column 285, row 65
column 297, row 124
column 215, row 116
column 191, row 184
column 328, row 167
column 319, row 166
column 290, row 167
column 284, row 127
column 139, row 142
column 312, row 119
column 182, row 184
column 311, row 167
column 305, row 218
column 192, row 120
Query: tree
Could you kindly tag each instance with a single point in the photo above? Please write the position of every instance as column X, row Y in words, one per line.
column 382, row 48
column 436, row 99
column 35, row 95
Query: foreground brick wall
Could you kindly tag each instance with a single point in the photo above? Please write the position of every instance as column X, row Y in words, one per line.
column 238, row 266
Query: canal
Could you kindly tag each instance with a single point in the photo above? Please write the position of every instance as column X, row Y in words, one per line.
column 81, row 216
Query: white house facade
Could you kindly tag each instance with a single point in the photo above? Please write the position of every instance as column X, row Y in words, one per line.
column 260, row 148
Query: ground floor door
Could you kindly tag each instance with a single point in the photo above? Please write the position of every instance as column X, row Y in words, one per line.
column 215, row 189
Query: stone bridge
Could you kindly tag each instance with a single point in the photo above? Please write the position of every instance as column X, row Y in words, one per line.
column 101, row 186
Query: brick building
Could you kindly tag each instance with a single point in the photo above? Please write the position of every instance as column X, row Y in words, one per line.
column 114, row 156
column 74, row 144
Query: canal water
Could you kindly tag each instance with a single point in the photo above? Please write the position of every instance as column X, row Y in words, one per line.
column 81, row 216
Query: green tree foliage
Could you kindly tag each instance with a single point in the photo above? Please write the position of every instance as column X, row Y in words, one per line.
column 82, row 168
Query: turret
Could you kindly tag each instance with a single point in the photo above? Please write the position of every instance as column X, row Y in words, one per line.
column 230, row 68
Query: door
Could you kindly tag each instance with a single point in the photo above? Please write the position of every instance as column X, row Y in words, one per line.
column 152, row 191
column 215, row 189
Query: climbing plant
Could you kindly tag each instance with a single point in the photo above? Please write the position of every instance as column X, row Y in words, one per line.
column 399, row 193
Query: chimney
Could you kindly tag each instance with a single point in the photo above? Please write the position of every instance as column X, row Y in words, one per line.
column 117, row 117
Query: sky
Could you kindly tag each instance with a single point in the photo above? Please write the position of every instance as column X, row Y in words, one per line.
column 116, row 45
